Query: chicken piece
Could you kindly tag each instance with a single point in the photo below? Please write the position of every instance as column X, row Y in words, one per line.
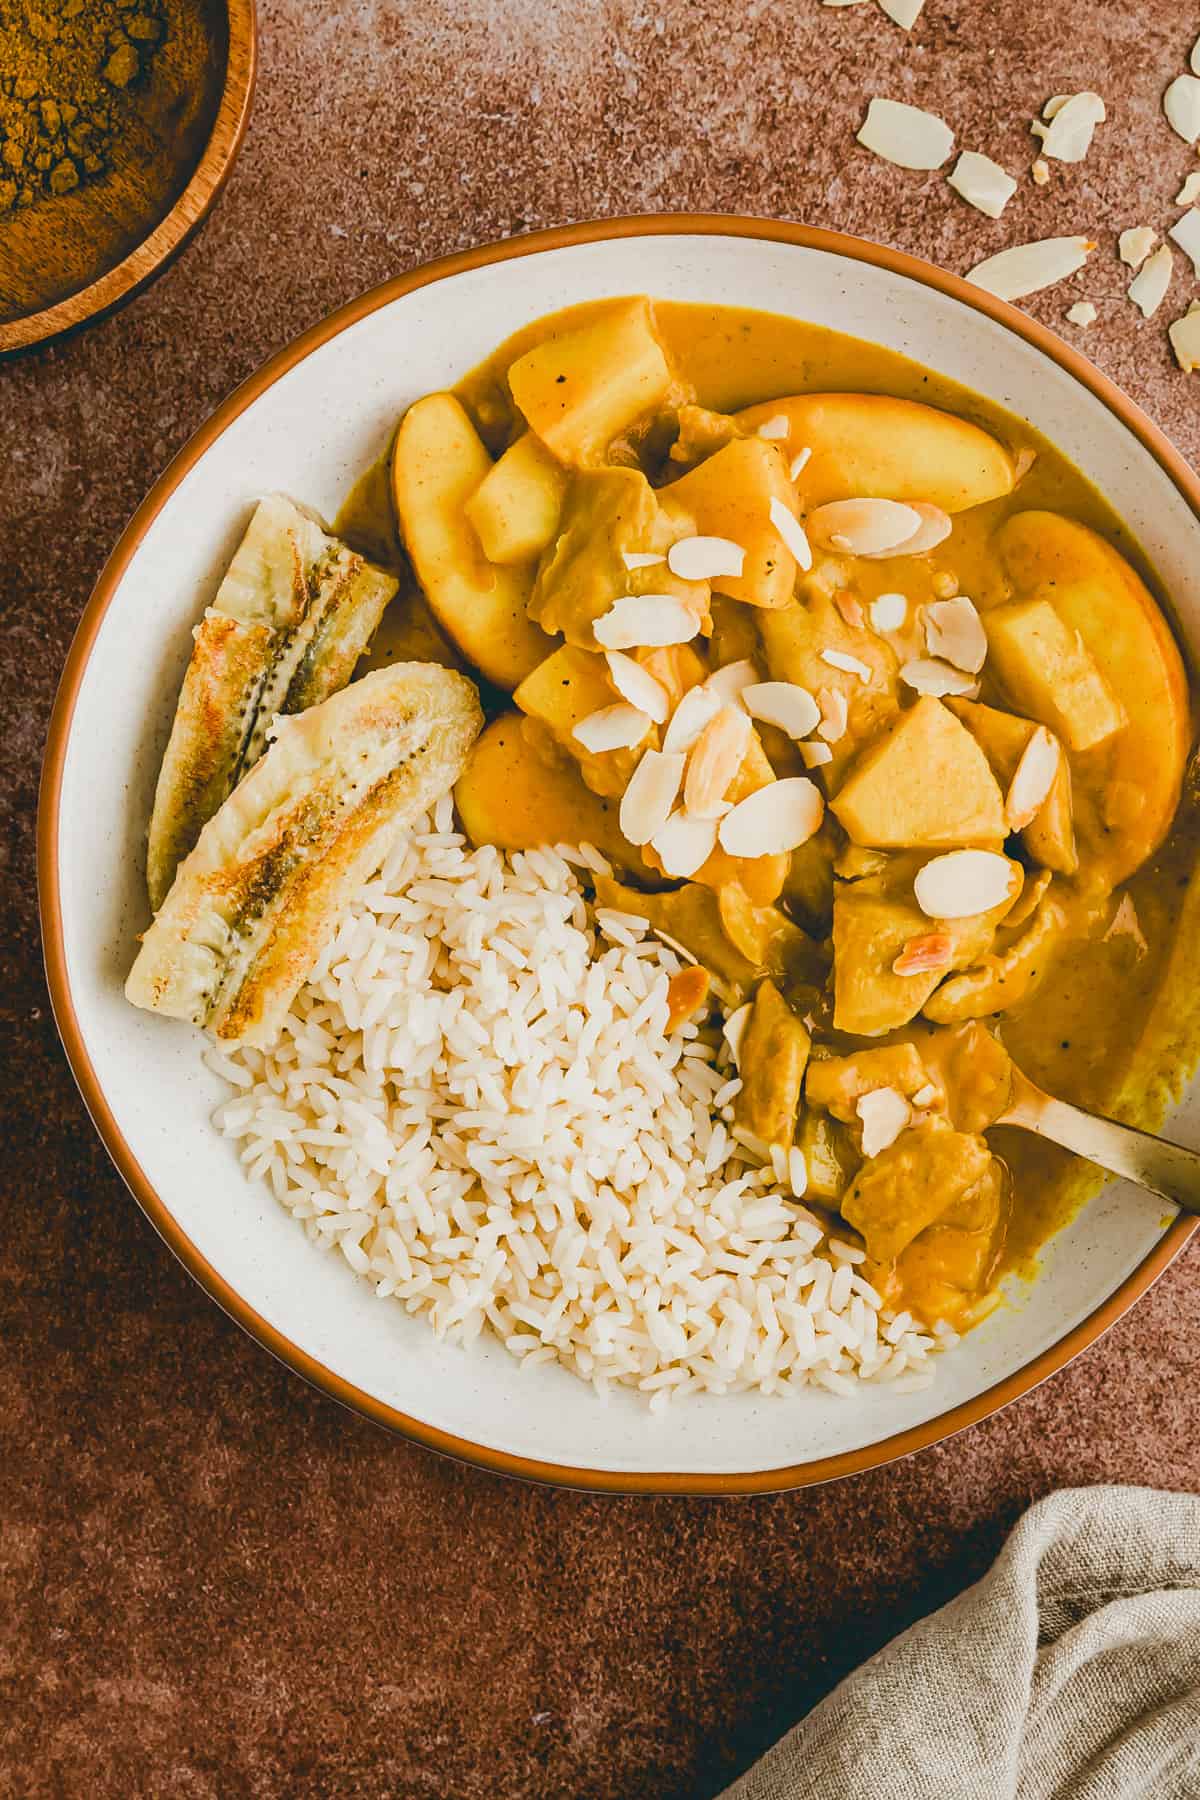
column 701, row 434
column 771, row 1061
column 1002, row 736
column 925, row 783
column 691, row 916
column 917, row 1179
column 838, row 1083
column 1003, row 981
column 729, row 495
column 952, row 1263
column 794, row 642
column 971, row 1068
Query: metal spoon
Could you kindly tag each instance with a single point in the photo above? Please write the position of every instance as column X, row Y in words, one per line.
column 1168, row 1170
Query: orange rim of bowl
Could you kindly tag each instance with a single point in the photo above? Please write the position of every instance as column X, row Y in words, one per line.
column 758, row 1481
column 159, row 248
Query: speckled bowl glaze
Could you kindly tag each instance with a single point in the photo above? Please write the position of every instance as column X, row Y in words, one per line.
column 308, row 423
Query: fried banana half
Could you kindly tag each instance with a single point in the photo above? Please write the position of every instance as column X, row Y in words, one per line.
column 291, row 618
column 257, row 900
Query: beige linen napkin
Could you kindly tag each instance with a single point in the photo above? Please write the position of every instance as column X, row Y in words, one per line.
column 1070, row 1672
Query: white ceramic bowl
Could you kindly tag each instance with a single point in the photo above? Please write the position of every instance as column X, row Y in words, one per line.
column 308, row 423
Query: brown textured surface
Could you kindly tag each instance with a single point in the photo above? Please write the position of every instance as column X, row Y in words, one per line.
column 213, row 1582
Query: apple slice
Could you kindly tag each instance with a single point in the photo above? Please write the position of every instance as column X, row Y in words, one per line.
column 1135, row 778
column 874, row 445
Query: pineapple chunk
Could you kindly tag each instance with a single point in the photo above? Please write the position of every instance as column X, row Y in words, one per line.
column 516, row 507
column 579, row 389
column 729, row 495
column 1050, row 838
column 570, row 686
column 438, row 463
column 771, row 1062
column 925, row 783
column 1050, row 673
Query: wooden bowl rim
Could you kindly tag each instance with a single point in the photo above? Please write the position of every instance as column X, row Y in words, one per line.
column 187, row 214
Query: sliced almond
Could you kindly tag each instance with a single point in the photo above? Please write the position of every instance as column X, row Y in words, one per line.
column 641, row 559
column 698, row 706
column 889, row 612
column 863, row 527
column 814, row 756
column 1185, row 338
column 1125, row 924
column 1053, row 106
column 1181, row 103
column 732, row 680
column 1032, row 779
column 1194, row 58
column 963, row 883
column 647, row 802
column 687, row 992
column 1189, row 193
column 645, row 622
column 1083, row 313
column 701, row 558
column 982, row 183
column 904, row 13
column 921, row 955
column 734, row 1029
column 785, row 704
column 835, row 714
column 849, row 665
column 884, row 1113
column 714, row 761
column 776, row 427
column 906, row 135
column 1040, row 170
column 1135, row 245
column 1027, row 268
column 792, row 532
column 684, row 844
column 775, row 820
column 954, row 633
column 798, row 463
column 850, row 608
column 638, row 686
column 1072, row 124
column 1186, row 233
column 935, row 526
column 927, row 675
column 612, row 728
column 1148, row 289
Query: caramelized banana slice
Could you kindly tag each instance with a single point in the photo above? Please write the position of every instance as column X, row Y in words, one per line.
column 254, row 904
column 292, row 616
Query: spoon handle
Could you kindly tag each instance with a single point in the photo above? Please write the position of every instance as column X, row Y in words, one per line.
column 1168, row 1170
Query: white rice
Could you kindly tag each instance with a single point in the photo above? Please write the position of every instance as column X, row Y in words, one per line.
column 475, row 1101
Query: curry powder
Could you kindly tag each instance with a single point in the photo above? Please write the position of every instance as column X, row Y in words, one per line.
column 67, row 68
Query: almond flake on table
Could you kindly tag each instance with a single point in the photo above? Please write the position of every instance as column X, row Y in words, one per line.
column 963, row 883
column 1032, row 780
column 617, row 727
column 792, row 532
column 784, row 704
column 954, row 633
column 1181, row 103
column 835, row 714
column 1135, row 245
column 1149, row 286
column 906, row 135
column 776, row 427
column 884, row 1113
column 927, row 675
column 1068, row 136
column 799, row 463
column 638, row 686
column 904, row 13
column 849, row 665
column 701, row 558
column 862, row 527
column 1040, row 170
column 889, row 612
column 698, row 706
column 814, row 756
column 641, row 559
column 731, row 680
column 922, row 955
column 734, row 1029
column 935, row 526
column 684, row 844
column 645, row 622
column 982, row 183
column 1028, row 268
column 1083, row 313
column 1186, row 233
column 715, row 760
column 647, row 802
column 775, row 820
column 1194, row 58
column 1189, row 193
column 1185, row 338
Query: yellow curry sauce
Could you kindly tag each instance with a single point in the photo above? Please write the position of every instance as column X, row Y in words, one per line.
column 1111, row 1022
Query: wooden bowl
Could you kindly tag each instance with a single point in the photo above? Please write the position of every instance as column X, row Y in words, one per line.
column 68, row 258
